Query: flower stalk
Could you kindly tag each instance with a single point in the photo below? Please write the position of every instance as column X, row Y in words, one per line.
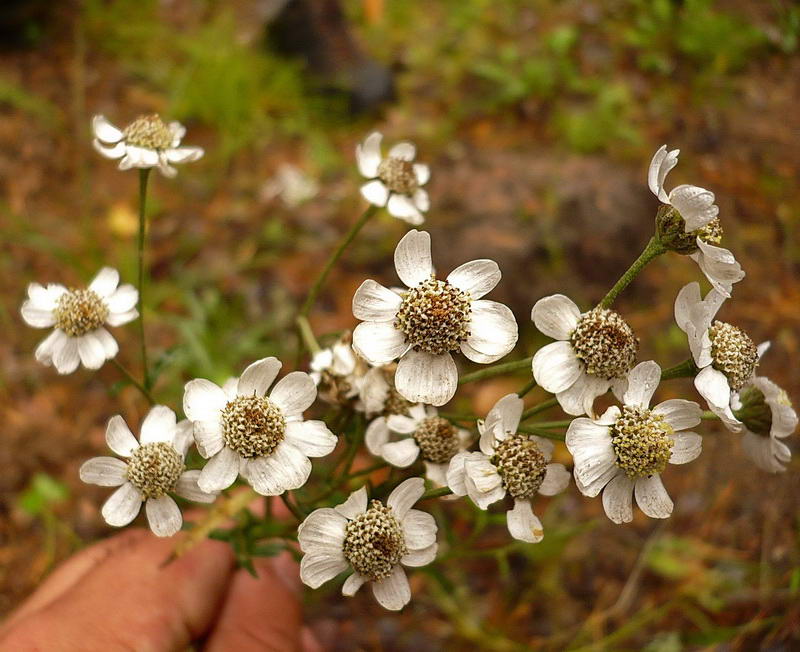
column 496, row 370
column 686, row 369
column 653, row 249
column 144, row 174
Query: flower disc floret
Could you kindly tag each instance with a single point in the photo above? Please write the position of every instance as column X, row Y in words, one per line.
column 79, row 312
column 398, row 175
column 154, row 469
column 605, row 343
column 733, row 353
column 521, row 465
column 437, row 439
column 253, row 426
column 434, row 316
column 395, row 404
column 374, row 542
column 641, row 441
column 149, row 132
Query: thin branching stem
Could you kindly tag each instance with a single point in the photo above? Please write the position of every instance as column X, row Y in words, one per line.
column 527, row 388
column 547, row 434
column 144, row 174
column 686, row 369
column 129, row 377
column 496, row 370
column 540, row 407
column 296, row 512
column 653, row 249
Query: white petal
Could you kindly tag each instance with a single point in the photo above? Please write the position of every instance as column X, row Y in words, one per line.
column 493, row 330
column 121, row 318
column 104, row 130
column 426, row 378
column 618, row 499
column 686, row 447
column 119, row 437
column 140, row 157
column 257, row 378
column 437, row 474
column 404, row 496
column 164, row 516
column 368, row 155
column 220, row 471
column 423, row 173
column 401, row 453
column 105, row 283
column 423, row 557
column 660, row 167
column 393, row 592
column 556, row 479
column 482, row 474
column 696, row 205
column 419, row 529
column 373, row 302
column 65, row 355
column 580, row 396
column 355, row 505
column 91, row 351
column 523, row 524
column 203, row 400
column 402, row 206
column 286, row 469
column 652, row 498
column 405, row 425
column 556, row 367
column 643, row 381
column 685, row 305
column 376, row 436
column 760, row 450
column 294, row 393
column 46, row 350
column 352, row 584
column 404, row 151
column 422, row 201
column 375, row 192
column 596, row 485
column 122, row 506
column 184, row 437
column 104, row 471
column 322, row 531
column 713, row 386
column 556, row 316
column 123, row 299
column 187, row 488
column 312, row 438
column 208, row 437
column 412, row 258
column 113, row 152
column 719, row 266
column 506, row 413
column 159, row 425
column 679, row 413
column 37, row 317
column 106, row 339
column 590, row 446
column 316, row 569
column 379, row 342
column 455, row 474
column 477, row 277
column 184, row 154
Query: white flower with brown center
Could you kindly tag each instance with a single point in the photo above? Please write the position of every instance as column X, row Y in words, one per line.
column 624, row 452
column 509, row 463
column 433, row 318
column 147, row 142
column 335, row 371
column 395, row 180
column 594, row 351
column 424, row 434
column 725, row 355
column 242, row 431
column 372, row 539
column 153, row 469
column 78, row 318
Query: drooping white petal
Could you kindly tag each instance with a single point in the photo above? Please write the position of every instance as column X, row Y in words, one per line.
column 258, row 377
column 412, row 258
column 713, row 386
column 618, row 499
column 686, row 447
column 719, row 266
column 355, row 504
column 286, row 469
column 556, row 316
column 556, row 479
column 368, row 155
column 579, row 398
column 123, row 299
column 187, row 488
column 423, row 377
column 294, row 393
column 393, row 592
column 119, row 437
column 523, row 524
column 556, row 367
column 374, row 302
column 760, row 450
column 352, row 584
column 456, row 474
column 316, row 569
column 220, row 471
column 506, row 413
column 106, row 339
column 375, row 192
column 596, row 484
column 113, row 152
column 104, row 130
column 688, row 297
column 404, row 425
column 405, row 495
column 140, row 157
column 377, row 435
column 323, row 530
column 652, row 498
column 643, row 381
column 477, row 277
column 91, row 351
column 104, row 471
column 37, row 317
column 312, row 438
column 419, row 529
column 401, row 453
column 493, row 330
column 379, row 342
column 122, row 506
column 422, row 557
column 660, row 167
column 46, row 350
column 679, row 413
column 403, row 206
column 121, row 318
column 158, row 426
column 163, row 516
column 184, row 154
column 437, row 474
column 404, row 151
column 696, row 205
column 65, row 355
column 105, row 283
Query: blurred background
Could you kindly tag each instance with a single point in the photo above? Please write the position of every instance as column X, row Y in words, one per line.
column 538, row 119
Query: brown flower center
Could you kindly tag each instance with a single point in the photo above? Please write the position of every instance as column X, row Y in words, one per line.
column 79, row 312
column 253, row 426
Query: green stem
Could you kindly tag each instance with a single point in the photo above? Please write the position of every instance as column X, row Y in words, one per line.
column 143, row 177
column 292, row 507
column 541, row 407
column 463, row 418
column 129, row 376
column 307, row 335
column 437, row 493
column 551, row 424
column 547, row 434
column 686, row 369
column 335, row 256
column 496, row 370
column 366, row 471
column 521, row 393
column 708, row 415
column 653, row 249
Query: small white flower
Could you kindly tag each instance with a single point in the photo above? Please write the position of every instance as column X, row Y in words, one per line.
column 145, row 143
column 335, row 371
column 625, row 451
column 395, row 180
column 718, row 264
column 508, row 463
column 426, row 434
column 79, row 317
column 696, row 205
column 426, row 323
column 594, row 352
column 154, row 469
column 264, row 439
column 373, row 539
column 724, row 354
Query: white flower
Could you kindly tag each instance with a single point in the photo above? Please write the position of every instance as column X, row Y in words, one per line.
column 395, row 180
column 265, row 440
column 724, row 354
column 154, row 468
column 371, row 538
column 145, row 143
column 625, row 451
column 426, row 434
column 508, row 463
column 594, row 352
column 79, row 317
column 719, row 266
column 696, row 205
column 336, row 370
column 424, row 324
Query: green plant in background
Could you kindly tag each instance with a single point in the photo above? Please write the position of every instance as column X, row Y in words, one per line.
column 40, row 501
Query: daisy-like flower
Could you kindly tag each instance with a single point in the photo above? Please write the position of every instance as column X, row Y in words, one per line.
column 508, row 463
column 425, row 324
column 396, row 181
column 594, row 352
column 624, row 452
column 373, row 539
column 154, row 469
column 725, row 355
column 79, row 318
column 264, row 439
column 335, row 371
column 147, row 142
column 426, row 434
